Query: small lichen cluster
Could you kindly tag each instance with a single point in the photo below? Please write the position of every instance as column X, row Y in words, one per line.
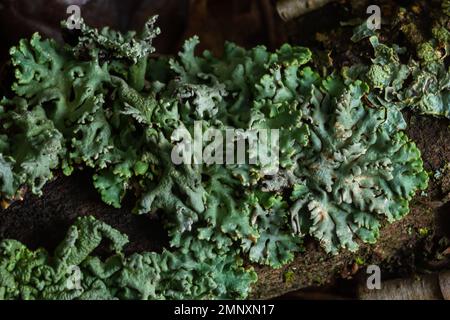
column 423, row 82
column 105, row 103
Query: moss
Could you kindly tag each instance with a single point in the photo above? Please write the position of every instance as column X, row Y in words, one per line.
column 360, row 261
column 289, row 277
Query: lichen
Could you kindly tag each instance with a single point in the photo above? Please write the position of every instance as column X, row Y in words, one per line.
column 423, row 82
column 360, row 166
column 195, row 271
column 345, row 162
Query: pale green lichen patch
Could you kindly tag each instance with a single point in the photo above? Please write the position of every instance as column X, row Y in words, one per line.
column 199, row 272
column 422, row 83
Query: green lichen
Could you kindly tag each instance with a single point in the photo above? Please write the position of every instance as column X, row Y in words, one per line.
column 423, row 82
column 30, row 147
column 359, row 167
column 111, row 43
column 345, row 163
column 195, row 271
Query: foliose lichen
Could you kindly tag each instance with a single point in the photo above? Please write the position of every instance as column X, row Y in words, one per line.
column 196, row 271
column 419, row 81
column 345, row 162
